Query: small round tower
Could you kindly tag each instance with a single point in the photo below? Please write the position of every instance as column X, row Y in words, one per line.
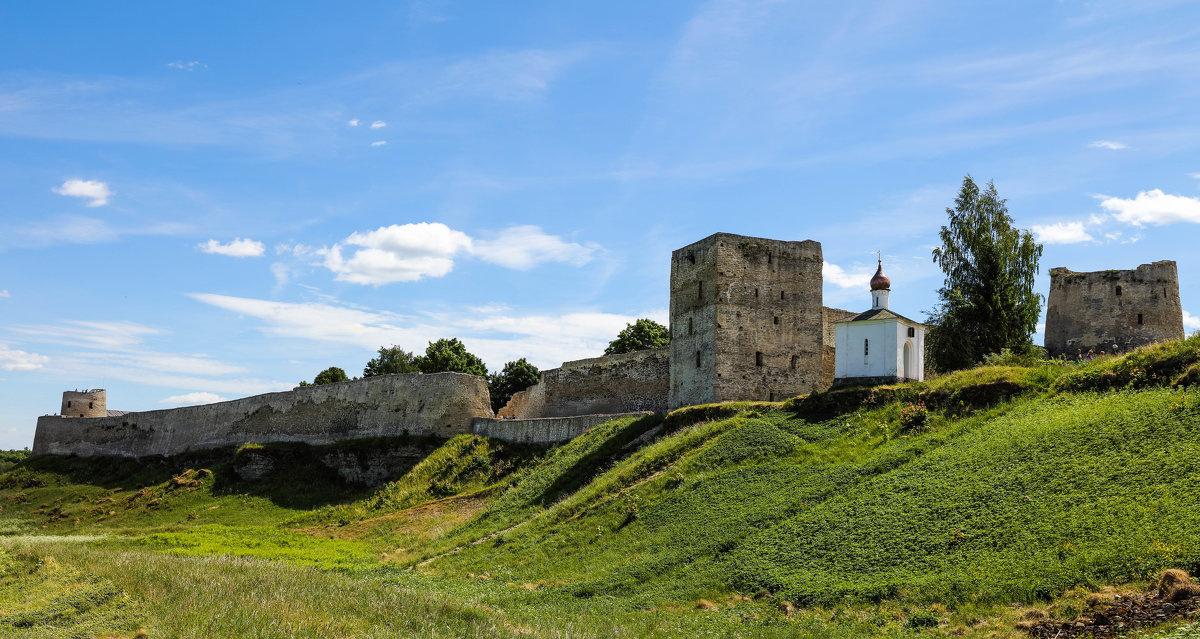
column 85, row 403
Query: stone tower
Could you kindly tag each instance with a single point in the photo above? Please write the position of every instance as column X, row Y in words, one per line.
column 86, row 403
column 1127, row 308
column 746, row 320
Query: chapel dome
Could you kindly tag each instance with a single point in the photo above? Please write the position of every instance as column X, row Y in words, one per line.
column 880, row 281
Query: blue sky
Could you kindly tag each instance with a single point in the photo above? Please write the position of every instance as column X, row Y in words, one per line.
column 210, row 201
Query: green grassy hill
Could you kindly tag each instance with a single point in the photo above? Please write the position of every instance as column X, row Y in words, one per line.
column 954, row 507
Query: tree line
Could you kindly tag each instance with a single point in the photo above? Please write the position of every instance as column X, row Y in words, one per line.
column 451, row 356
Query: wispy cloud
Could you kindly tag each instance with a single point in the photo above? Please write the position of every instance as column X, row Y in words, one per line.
column 378, row 124
column 353, row 122
column 94, row 190
column 20, row 361
column 410, row 252
column 1154, row 207
column 237, row 248
column 5, row 293
column 523, row 247
column 835, row 274
column 379, row 143
column 1107, row 144
column 493, row 332
column 191, row 65
column 192, row 399
column 1062, row 233
column 80, row 229
column 118, row 350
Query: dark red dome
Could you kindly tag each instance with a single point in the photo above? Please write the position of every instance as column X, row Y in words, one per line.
column 880, row 281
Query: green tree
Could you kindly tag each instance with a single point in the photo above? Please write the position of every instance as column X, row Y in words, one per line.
column 987, row 302
column 639, row 336
column 391, row 361
column 450, row 356
column 329, row 376
column 512, row 379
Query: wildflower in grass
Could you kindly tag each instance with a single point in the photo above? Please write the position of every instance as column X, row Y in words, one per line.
column 914, row 416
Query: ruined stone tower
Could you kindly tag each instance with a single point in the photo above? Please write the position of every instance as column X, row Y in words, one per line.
column 86, row 403
column 746, row 320
column 1127, row 308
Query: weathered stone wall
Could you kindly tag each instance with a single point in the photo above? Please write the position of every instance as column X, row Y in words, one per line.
column 830, row 317
column 637, row 381
column 746, row 320
column 544, row 431
column 441, row 404
column 88, row 403
column 1128, row 308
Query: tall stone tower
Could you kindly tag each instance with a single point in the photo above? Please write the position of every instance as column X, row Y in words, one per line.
column 1127, row 308
column 746, row 320
column 87, row 403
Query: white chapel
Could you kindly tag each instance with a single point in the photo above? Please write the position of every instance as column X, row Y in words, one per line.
column 879, row 346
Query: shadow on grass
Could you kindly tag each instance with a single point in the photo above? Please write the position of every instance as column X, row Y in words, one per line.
column 596, row 461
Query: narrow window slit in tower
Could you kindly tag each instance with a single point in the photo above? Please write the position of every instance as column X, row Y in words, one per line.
column 691, row 330
column 1118, row 291
column 776, row 319
column 795, row 361
column 700, row 290
column 781, row 295
column 697, row 359
column 1139, row 319
column 758, row 359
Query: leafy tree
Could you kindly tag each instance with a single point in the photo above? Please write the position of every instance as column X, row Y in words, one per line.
column 512, row 379
column 450, row 356
column 639, row 336
column 987, row 302
column 329, row 376
column 391, row 361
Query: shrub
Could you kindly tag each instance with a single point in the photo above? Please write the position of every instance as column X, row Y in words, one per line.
column 914, row 417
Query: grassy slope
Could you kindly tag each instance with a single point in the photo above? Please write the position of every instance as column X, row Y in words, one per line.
column 1088, row 476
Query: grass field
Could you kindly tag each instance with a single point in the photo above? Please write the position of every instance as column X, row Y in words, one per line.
column 955, row 507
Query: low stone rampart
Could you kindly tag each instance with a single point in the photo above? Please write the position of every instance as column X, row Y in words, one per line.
column 546, row 430
column 638, row 381
column 441, row 404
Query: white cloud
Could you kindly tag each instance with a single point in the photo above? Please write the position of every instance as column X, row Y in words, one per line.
column 237, row 248
column 116, row 350
column 1190, row 322
column 410, row 252
column 1107, row 144
column 192, row 399
column 1194, row 175
column 1062, row 233
column 839, row 276
column 20, row 361
column 379, row 143
column 397, row 253
column 378, row 124
column 353, row 122
column 523, row 247
column 493, row 332
column 90, row 334
column 1154, row 207
column 187, row 66
column 5, row 293
column 94, row 190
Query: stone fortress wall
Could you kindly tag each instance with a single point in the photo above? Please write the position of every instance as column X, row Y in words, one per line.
column 746, row 320
column 87, row 403
column 1128, row 308
column 442, row 404
column 629, row 382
